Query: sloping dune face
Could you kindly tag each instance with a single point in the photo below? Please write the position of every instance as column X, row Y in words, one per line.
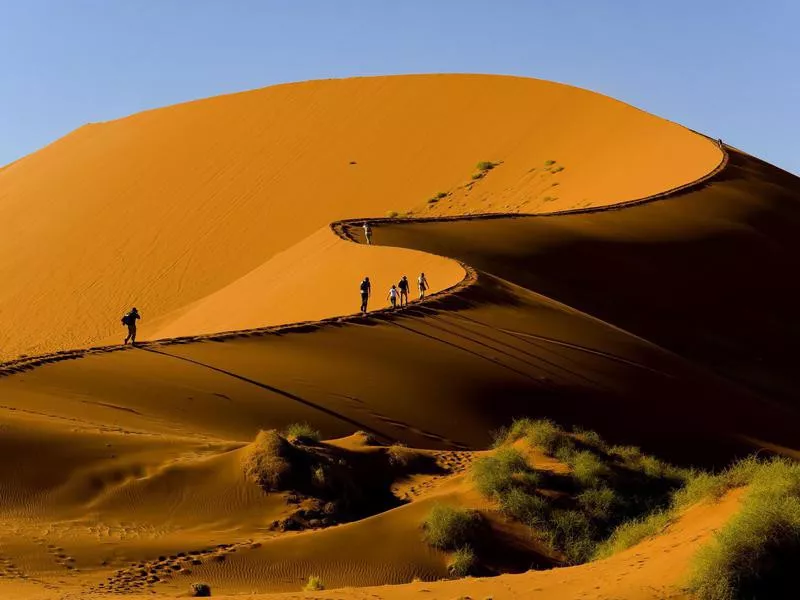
column 169, row 207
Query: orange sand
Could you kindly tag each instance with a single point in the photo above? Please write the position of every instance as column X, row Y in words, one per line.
column 661, row 324
column 168, row 208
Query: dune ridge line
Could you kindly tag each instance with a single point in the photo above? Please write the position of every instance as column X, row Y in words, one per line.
column 342, row 228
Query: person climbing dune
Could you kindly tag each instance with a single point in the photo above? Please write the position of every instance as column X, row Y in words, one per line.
column 393, row 293
column 403, row 285
column 366, row 290
column 422, row 283
column 368, row 233
column 129, row 319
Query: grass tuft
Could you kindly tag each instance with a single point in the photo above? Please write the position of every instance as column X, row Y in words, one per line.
column 302, row 432
column 462, row 562
column 314, row 584
column 266, row 460
column 632, row 532
column 200, row 590
column 756, row 554
column 392, row 214
column 486, row 165
column 449, row 528
column 495, row 475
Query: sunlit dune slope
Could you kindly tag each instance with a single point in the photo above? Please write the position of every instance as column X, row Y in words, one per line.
column 168, row 207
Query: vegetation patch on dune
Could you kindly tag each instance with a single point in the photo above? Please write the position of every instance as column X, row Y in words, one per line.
column 756, row 554
column 327, row 483
column 450, row 528
column 575, row 512
column 314, row 584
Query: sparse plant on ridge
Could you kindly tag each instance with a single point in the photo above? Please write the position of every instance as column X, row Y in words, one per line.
column 200, row 590
column 266, row 461
column 450, row 528
column 486, row 165
column 314, row 584
column 302, row 432
column 392, row 214
column 462, row 562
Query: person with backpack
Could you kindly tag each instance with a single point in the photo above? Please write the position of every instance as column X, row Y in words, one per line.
column 422, row 283
column 366, row 291
column 393, row 293
column 129, row 320
column 403, row 285
column 368, row 233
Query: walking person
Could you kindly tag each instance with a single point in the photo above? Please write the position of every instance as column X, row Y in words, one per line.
column 403, row 285
column 422, row 283
column 129, row 320
column 368, row 233
column 366, row 291
column 393, row 294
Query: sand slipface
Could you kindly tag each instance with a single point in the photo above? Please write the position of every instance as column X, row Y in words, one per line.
column 173, row 207
column 128, row 471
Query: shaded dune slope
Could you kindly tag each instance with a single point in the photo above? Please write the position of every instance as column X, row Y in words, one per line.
column 175, row 207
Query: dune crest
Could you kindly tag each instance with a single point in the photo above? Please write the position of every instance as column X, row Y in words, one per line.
column 167, row 208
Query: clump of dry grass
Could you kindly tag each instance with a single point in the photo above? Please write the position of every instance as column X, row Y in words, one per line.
column 450, row 528
column 266, row 461
column 314, row 584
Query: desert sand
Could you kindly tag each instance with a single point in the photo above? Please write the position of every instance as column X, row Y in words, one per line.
column 648, row 298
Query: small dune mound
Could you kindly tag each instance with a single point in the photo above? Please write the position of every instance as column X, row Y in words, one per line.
column 329, row 483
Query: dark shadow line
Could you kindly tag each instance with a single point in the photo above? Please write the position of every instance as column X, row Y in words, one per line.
column 468, row 351
column 275, row 390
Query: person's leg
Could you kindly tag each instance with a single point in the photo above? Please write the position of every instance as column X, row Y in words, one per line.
column 133, row 335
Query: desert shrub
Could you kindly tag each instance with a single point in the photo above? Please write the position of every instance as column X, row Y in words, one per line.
column 314, row 584
column 557, row 169
column 548, row 163
column 318, row 476
column 266, row 461
column 756, row 554
column 632, row 532
column 549, row 199
column 432, row 200
column 495, row 475
column 449, row 528
column 706, row 486
column 599, row 503
column 478, row 175
column 499, row 436
column 630, row 455
column 525, row 507
column 302, row 432
column 572, row 531
column 392, row 214
column 486, row 165
column 588, row 469
column 401, row 457
column 591, row 438
column 200, row 590
column 463, row 562
column 441, row 195
column 545, row 434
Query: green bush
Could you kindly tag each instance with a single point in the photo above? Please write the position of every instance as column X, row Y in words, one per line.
column 527, row 508
column 756, row 554
column 432, row 200
column 548, row 436
column 599, row 503
column 449, row 528
column 441, row 195
column 632, row 532
column 462, row 562
column 548, row 163
column 478, row 175
column 495, row 475
column 572, row 531
column 392, row 214
column 302, row 432
column 314, row 584
column 486, row 165
column 588, row 469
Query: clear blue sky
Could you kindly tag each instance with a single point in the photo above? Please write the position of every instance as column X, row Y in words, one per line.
column 728, row 68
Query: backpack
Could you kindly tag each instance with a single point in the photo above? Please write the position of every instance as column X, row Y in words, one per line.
column 364, row 287
column 126, row 319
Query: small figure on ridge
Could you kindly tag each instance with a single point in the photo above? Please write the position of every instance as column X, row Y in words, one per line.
column 393, row 296
column 129, row 320
column 403, row 285
column 368, row 233
column 422, row 283
column 366, row 291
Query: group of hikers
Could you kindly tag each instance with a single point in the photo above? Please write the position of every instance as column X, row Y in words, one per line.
column 398, row 293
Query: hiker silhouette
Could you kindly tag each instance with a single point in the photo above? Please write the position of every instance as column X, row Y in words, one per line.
column 129, row 320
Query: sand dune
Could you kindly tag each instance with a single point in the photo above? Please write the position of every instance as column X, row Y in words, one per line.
column 168, row 207
column 664, row 322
